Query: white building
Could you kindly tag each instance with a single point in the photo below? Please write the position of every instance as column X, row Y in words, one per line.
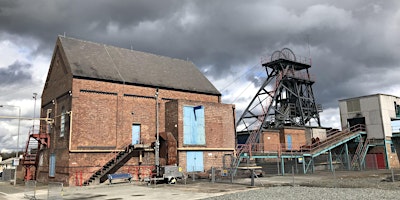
column 380, row 114
column 7, row 164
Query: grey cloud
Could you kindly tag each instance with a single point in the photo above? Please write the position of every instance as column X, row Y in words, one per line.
column 347, row 39
column 16, row 73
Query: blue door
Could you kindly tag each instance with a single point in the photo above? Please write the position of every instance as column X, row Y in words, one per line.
column 194, row 161
column 289, row 142
column 135, row 133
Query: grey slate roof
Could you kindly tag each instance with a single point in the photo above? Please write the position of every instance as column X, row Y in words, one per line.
column 104, row 62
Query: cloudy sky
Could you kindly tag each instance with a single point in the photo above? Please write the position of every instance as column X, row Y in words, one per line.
column 354, row 45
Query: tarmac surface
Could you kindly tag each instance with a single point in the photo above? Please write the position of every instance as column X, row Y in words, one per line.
column 203, row 188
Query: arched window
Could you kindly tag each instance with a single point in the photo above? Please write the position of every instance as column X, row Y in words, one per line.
column 62, row 125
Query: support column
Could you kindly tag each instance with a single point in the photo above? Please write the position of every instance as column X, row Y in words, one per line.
column 386, row 155
column 312, row 167
column 283, row 166
column 330, row 161
column 304, row 165
column 346, row 149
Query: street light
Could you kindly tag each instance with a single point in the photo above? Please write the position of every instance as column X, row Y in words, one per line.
column 34, row 109
column 19, row 125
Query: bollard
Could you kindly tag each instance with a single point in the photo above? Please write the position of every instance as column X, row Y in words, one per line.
column 212, row 175
column 293, row 175
column 252, row 177
column 392, row 175
column 193, row 175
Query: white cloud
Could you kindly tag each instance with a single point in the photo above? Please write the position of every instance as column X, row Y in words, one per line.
column 21, row 50
column 10, row 53
column 330, row 118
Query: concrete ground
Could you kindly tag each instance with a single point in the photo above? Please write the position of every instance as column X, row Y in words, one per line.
column 201, row 188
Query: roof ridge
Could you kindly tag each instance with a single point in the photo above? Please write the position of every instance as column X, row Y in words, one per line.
column 126, row 49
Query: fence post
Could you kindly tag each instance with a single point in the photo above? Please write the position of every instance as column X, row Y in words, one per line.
column 81, row 179
column 55, row 191
column 212, row 175
column 392, row 175
column 293, row 175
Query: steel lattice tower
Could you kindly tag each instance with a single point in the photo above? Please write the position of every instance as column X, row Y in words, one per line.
column 284, row 99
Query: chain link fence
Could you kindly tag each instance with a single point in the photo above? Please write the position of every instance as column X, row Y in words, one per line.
column 8, row 174
column 55, row 191
column 30, row 189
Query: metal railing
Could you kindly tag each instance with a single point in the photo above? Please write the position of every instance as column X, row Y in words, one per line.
column 114, row 153
column 280, row 148
column 55, row 191
column 333, row 138
column 299, row 59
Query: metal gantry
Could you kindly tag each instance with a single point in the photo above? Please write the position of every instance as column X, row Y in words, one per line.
column 284, row 99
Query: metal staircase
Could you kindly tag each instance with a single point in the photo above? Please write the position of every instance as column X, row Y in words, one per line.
column 35, row 143
column 360, row 153
column 355, row 162
column 117, row 159
column 334, row 140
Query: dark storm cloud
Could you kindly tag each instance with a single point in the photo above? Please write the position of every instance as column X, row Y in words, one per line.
column 347, row 39
column 44, row 19
column 16, row 73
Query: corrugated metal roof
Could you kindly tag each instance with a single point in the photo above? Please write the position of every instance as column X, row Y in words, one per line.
column 104, row 62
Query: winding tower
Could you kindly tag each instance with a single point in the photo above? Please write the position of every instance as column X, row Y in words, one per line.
column 284, row 99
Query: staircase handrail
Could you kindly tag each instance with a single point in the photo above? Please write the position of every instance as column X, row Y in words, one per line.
column 336, row 137
column 114, row 153
column 357, row 152
column 364, row 150
column 112, row 156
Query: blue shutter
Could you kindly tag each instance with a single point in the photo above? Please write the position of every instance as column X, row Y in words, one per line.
column 194, row 161
column 52, row 165
column 200, row 128
column 187, row 125
column 289, row 142
column 193, row 125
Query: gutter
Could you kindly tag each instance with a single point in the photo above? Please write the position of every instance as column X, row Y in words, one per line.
column 204, row 149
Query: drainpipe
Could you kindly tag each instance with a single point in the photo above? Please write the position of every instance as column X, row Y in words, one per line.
column 70, row 131
column 234, row 127
column 157, row 148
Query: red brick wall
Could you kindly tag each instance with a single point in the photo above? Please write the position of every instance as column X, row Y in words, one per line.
column 219, row 131
column 298, row 137
column 219, row 123
column 392, row 156
column 109, row 116
column 271, row 140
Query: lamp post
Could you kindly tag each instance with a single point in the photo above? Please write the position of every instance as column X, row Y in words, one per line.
column 34, row 109
column 19, row 125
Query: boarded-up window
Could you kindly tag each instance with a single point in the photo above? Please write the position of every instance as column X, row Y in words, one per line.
column 62, row 124
column 193, row 125
column 353, row 105
column 52, row 165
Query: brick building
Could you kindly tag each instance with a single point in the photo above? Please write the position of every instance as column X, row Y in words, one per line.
column 106, row 99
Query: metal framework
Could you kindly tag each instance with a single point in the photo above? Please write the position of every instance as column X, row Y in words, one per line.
column 284, row 99
column 335, row 146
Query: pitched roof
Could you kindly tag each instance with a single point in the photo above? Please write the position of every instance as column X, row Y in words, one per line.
column 109, row 63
